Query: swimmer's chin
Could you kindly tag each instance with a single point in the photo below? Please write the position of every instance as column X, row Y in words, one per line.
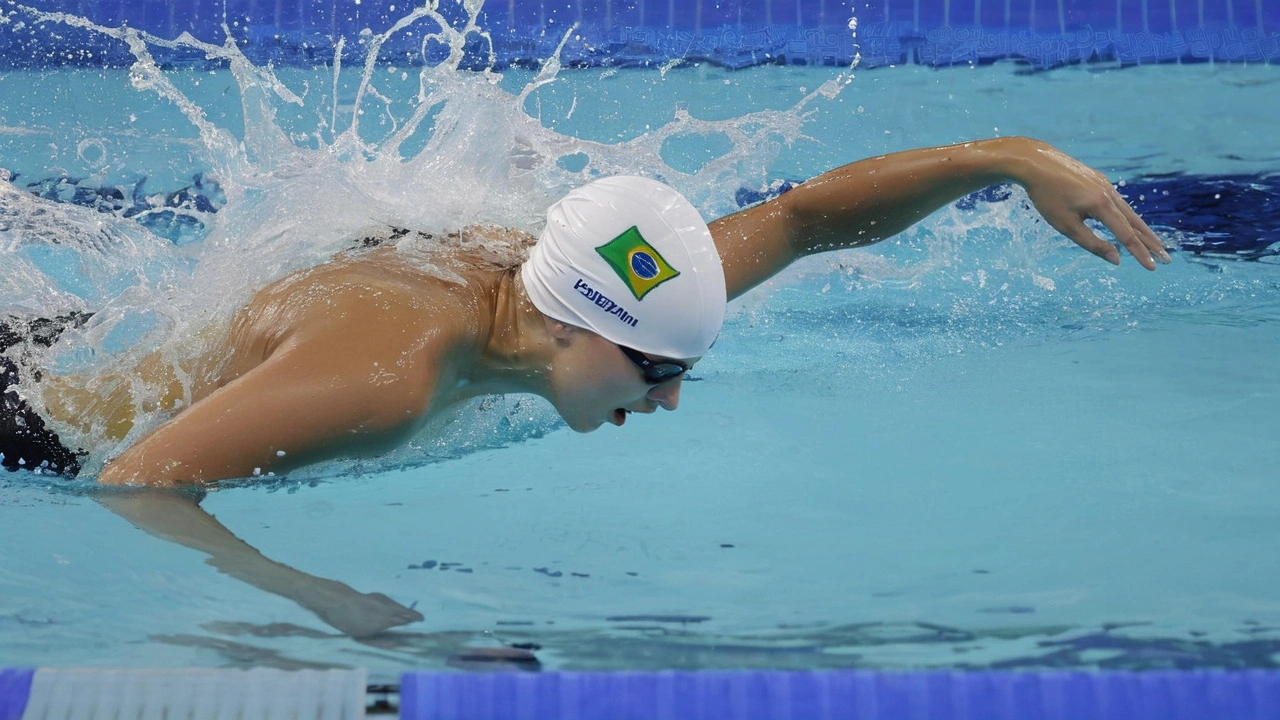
column 618, row 417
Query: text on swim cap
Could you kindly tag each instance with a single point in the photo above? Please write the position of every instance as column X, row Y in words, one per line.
column 604, row 303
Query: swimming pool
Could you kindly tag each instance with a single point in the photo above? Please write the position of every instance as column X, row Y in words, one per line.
column 972, row 447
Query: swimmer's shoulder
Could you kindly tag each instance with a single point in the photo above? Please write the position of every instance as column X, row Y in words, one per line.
column 442, row 280
column 380, row 291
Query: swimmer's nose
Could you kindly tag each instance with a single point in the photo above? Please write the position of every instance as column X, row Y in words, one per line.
column 667, row 394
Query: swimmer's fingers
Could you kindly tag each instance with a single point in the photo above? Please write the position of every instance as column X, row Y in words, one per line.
column 1106, row 205
column 394, row 612
column 1081, row 235
column 1122, row 225
column 1145, row 234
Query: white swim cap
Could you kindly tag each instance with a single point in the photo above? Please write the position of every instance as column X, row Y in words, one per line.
column 631, row 260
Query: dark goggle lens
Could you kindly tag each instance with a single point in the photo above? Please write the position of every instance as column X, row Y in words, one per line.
column 661, row 372
column 655, row 373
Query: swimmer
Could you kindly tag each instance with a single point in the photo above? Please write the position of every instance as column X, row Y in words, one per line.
column 621, row 295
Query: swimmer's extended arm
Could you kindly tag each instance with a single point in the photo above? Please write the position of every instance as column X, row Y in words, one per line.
column 874, row 199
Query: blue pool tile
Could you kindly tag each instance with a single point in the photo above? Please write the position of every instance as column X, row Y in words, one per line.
column 933, row 32
column 15, row 686
column 752, row 695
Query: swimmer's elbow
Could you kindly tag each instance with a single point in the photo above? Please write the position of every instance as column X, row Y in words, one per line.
column 112, row 475
column 194, row 465
column 118, row 475
column 119, row 471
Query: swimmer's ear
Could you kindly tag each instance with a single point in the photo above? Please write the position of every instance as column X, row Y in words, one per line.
column 561, row 333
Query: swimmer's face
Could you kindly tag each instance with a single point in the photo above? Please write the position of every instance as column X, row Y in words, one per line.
column 594, row 383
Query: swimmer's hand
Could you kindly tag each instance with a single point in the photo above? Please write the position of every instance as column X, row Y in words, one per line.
column 1067, row 192
column 355, row 613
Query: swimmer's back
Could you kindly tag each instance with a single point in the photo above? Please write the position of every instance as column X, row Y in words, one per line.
column 373, row 303
column 344, row 359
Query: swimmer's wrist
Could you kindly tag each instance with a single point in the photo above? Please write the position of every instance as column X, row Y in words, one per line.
column 1012, row 159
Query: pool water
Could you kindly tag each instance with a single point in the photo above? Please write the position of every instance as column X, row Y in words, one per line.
column 970, row 446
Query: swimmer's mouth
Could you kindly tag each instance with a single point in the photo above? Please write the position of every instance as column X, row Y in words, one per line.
column 620, row 416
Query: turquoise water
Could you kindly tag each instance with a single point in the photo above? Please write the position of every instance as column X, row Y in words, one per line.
column 971, row 446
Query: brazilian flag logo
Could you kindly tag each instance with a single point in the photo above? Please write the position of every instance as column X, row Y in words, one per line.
column 636, row 262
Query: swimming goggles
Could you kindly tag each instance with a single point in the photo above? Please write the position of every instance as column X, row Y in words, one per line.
column 655, row 373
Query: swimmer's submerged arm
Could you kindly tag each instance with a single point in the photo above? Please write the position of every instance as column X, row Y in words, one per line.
column 308, row 399
column 874, row 199
column 176, row 516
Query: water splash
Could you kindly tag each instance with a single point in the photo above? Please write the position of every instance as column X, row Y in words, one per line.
column 316, row 158
column 312, row 159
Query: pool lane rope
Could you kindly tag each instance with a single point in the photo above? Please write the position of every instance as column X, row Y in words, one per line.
column 186, row 694
column 198, row 694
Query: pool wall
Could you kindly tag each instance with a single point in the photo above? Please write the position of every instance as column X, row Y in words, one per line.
column 1042, row 33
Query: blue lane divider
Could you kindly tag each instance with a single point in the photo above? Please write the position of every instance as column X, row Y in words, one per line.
column 866, row 695
column 732, row 33
column 15, row 685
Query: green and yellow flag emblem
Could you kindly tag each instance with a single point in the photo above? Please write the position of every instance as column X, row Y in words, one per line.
column 636, row 262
